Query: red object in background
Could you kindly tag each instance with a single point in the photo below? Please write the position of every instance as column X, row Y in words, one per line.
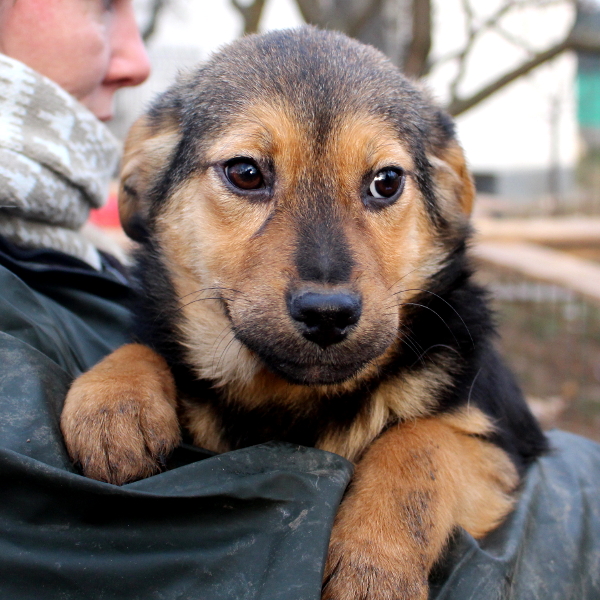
column 108, row 215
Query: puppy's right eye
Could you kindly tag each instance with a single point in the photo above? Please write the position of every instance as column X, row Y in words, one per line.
column 244, row 174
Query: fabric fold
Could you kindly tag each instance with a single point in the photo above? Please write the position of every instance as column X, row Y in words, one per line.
column 56, row 161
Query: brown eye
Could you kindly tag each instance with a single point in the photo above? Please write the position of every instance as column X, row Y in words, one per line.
column 387, row 183
column 244, row 174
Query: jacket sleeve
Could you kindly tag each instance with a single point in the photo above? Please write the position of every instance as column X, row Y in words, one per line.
column 548, row 548
column 248, row 524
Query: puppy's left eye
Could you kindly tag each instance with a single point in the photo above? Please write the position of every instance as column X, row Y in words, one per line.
column 244, row 174
column 387, row 183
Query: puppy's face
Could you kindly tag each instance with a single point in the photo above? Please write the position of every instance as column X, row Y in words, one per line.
column 296, row 225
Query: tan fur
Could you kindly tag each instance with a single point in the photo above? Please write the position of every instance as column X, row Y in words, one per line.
column 135, row 424
column 203, row 425
column 408, row 399
column 405, row 400
column 414, row 484
column 226, row 252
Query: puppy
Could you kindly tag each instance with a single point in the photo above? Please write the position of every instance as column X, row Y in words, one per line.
column 302, row 213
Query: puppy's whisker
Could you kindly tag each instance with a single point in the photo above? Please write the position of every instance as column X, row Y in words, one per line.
column 227, row 298
column 220, row 339
column 218, row 362
column 431, row 348
column 198, row 300
column 443, row 300
column 393, row 308
column 221, row 297
column 218, row 359
column 211, row 289
column 240, row 348
column 435, row 313
column 407, row 335
column 415, row 347
column 471, row 388
column 403, row 277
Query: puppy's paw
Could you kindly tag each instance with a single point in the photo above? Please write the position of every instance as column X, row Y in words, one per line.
column 363, row 570
column 372, row 556
column 120, row 419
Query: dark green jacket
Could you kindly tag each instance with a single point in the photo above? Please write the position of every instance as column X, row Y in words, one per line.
column 252, row 524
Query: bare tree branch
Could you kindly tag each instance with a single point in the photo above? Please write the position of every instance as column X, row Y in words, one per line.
column 357, row 15
column 310, row 11
column 458, row 106
column 385, row 24
column 513, row 39
column 350, row 20
column 469, row 17
column 415, row 63
column 472, row 34
column 155, row 10
column 251, row 14
column 360, row 20
column 492, row 22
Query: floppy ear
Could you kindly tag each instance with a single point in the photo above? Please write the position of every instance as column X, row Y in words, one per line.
column 148, row 148
column 453, row 180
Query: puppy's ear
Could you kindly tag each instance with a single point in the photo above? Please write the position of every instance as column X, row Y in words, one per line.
column 453, row 181
column 148, row 149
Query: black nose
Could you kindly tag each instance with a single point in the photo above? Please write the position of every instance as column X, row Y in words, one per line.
column 325, row 318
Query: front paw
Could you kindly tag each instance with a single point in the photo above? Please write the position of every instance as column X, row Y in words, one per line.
column 120, row 420
column 365, row 570
column 373, row 553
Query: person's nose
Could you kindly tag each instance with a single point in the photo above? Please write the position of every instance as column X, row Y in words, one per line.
column 130, row 64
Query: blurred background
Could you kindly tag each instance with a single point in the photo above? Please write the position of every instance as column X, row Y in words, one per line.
column 522, row 79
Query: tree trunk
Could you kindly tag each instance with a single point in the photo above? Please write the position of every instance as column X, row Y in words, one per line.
column 251, row 14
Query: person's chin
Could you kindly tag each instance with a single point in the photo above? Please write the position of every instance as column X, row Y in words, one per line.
column 101, row 105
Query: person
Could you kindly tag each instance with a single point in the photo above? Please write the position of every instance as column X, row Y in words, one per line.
column 253, row 523
column 51, row 133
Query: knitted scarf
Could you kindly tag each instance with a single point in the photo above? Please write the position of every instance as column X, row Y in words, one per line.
column 56, row 160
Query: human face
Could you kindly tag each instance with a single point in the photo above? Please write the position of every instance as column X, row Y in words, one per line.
column 91, row 48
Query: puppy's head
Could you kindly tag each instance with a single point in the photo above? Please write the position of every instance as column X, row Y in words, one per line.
column 299, row 191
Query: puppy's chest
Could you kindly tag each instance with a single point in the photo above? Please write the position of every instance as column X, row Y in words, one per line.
column 221, row 425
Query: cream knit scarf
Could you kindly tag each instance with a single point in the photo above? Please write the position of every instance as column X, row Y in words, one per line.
column 56, row 160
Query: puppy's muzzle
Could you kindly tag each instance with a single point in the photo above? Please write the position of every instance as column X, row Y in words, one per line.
column 325, row 318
